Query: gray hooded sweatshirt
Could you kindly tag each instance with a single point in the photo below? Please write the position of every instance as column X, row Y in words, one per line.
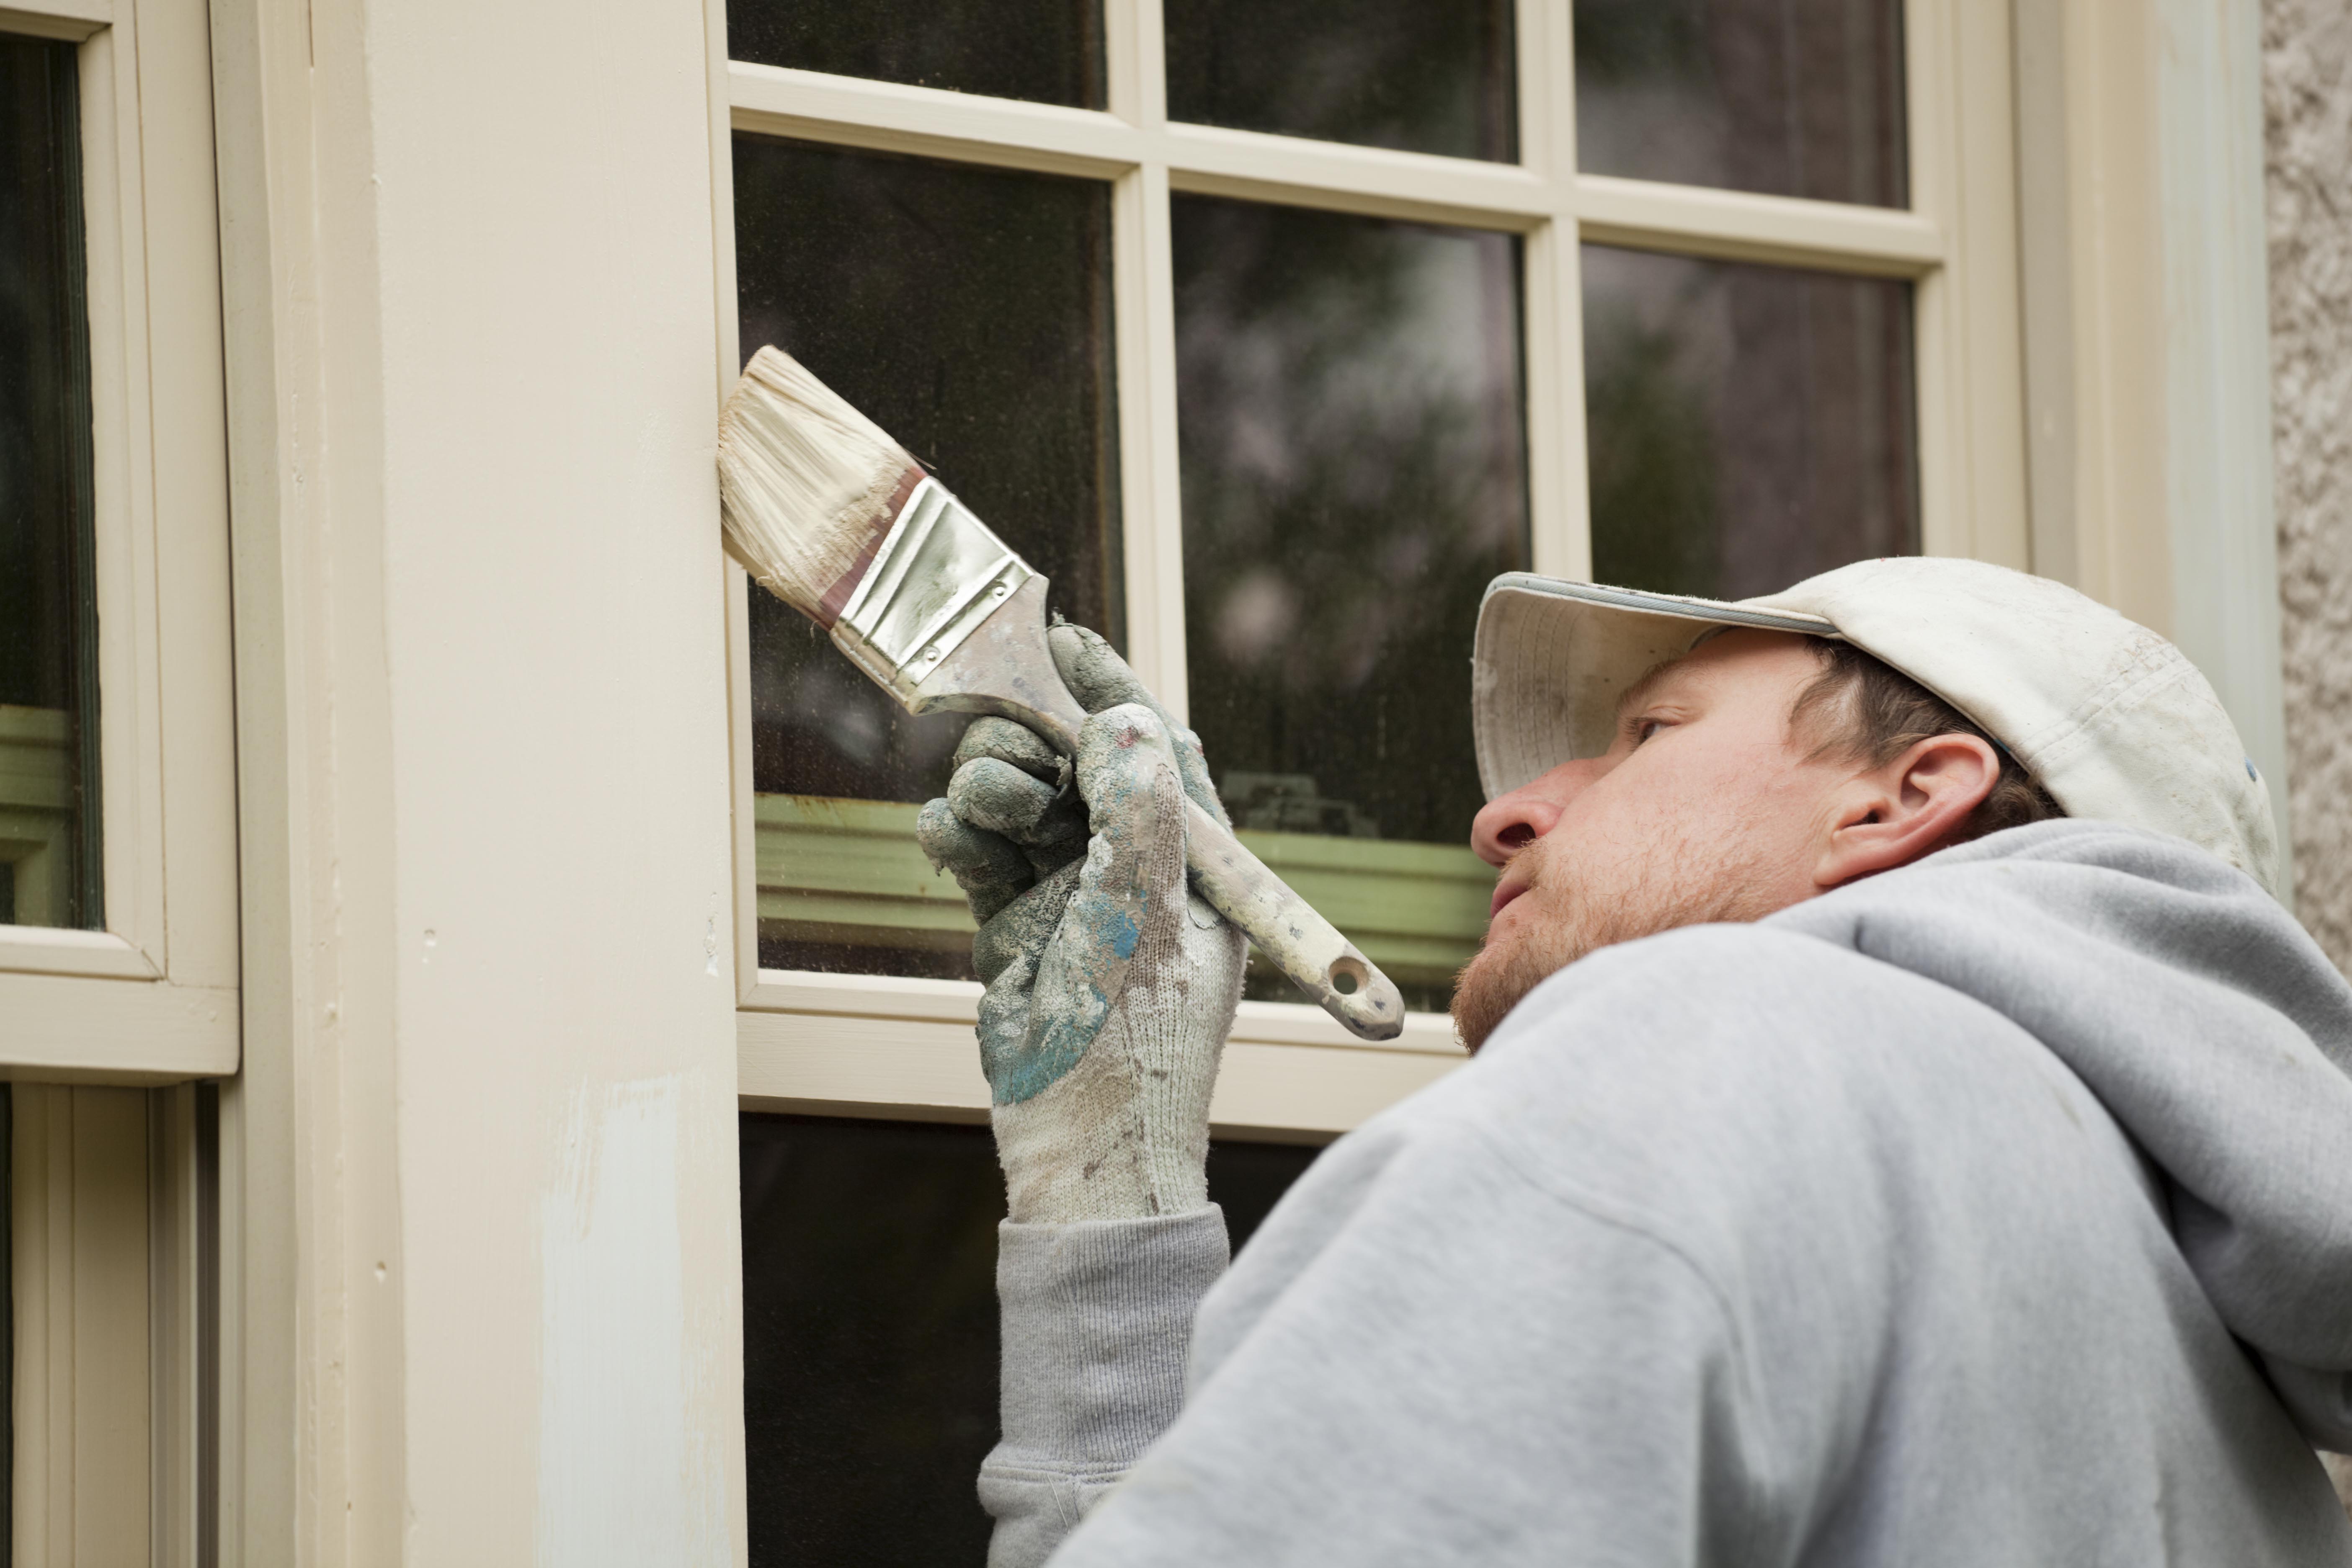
column 1993, row 1211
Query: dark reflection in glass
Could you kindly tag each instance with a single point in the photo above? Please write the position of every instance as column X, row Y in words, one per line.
column 1048, row 51
column 1354, row 472
column 870, row 1330
column 1748, row 426
column 1381, row 73
column 1793, row 98
column 50, row 865
column 968, row 311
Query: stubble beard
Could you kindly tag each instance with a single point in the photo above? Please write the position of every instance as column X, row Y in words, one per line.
column 1586, row 909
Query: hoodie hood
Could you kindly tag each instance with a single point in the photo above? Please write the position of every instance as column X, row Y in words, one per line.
column 2205, row 1020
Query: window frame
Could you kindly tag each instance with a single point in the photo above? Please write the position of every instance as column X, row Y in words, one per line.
column 152, row 997
column 112, row 1405
column 902, row 1046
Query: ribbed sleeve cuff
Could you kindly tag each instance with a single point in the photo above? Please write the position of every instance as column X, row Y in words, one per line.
column 1097, row 1325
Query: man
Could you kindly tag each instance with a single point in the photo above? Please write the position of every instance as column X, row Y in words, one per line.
column 1904, row 1129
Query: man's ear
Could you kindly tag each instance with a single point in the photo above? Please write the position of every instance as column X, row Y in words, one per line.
column 1906, row 810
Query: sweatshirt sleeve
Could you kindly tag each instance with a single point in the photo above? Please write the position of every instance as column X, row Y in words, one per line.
column 1097, row 1318
column 1454, row 1364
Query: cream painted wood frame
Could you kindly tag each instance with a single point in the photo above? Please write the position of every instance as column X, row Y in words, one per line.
column 109, row 1391
column 153, row 998
column 862, row 1045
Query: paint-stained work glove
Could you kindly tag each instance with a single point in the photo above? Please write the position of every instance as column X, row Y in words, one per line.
column 1111, row 984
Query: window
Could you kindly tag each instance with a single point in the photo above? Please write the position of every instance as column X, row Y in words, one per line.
column 117, row 828
column 1270, row 333
column 119, row 959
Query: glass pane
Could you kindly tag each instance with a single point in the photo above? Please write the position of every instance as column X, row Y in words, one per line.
column 1049, row 51
column 1748, row 426
column 870, row 1330
column 1354, row 471
column 968, row 311
column 1381, row 73
column 50, row 865
column 1792, row 98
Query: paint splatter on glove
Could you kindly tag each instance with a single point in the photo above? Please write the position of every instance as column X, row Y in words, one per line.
column 1110, row 985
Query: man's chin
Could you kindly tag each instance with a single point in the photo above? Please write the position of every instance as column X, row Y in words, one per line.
column 1499, row 979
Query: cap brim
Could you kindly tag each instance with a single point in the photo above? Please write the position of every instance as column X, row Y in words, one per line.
column 1553, row 657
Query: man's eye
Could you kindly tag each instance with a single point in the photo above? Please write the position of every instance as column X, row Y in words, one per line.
column 1646, row 728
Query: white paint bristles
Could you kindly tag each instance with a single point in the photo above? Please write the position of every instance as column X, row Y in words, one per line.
column 804, row 479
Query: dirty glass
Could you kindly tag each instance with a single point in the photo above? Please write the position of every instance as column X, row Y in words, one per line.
column 1048, row 51
column 967, row 310
column 49, row 865
column 1354, row 466
column 1748, row 425
column 1381, row 73
column 1791, row 98
column 870, row 1330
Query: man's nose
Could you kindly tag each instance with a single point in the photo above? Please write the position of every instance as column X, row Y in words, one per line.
column 1509, row 823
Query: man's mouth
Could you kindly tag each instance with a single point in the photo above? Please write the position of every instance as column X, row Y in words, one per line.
column 1505, row 891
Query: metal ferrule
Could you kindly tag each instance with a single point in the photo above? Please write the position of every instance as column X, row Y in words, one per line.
column 938, row 575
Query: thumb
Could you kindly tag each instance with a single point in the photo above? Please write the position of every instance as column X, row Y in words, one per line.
column 1127, row 771
column 1132, row 881
column 1100, row 680
column 1093, row 671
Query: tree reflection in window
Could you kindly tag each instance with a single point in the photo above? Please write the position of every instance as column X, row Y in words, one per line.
column 1354, row 473
column 1748, row 425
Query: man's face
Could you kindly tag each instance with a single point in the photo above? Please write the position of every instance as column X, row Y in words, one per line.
column 1704, row 808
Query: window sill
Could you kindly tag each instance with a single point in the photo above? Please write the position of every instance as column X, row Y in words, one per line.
column 864, row 1045
column 67, row 1028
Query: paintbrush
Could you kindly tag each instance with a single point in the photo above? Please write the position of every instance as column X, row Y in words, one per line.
column 832, row 516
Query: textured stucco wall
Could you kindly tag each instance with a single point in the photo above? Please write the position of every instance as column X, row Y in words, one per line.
column 2307, row 148
column 2307, row 104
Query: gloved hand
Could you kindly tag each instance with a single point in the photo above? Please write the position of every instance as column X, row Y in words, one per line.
column 1110, row 985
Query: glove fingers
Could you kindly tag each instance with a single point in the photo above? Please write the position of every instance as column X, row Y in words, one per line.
column 1100, row 680
column 1022, row 928
column 992, row 793
column 990, row 736
column 990, row 869
column 1044, row 859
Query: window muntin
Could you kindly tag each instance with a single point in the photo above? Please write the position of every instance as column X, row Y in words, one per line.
column 1791, row 98
column 50, row 868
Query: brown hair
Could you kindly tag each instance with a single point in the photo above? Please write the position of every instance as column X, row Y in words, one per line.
column 1863, row 708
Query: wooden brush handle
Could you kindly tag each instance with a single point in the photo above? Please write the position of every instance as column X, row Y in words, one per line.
column 1004, row 667
column 1285, row 928
column 1304, row 945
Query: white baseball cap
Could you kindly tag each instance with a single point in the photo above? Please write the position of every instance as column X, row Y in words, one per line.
column 2108, row 717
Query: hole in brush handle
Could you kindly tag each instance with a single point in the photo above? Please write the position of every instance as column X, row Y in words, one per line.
column 1288, row 931
column 1365, row 1001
